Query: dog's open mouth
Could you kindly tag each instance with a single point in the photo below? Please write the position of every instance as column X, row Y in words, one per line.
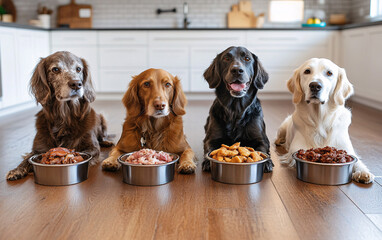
column 237, row 86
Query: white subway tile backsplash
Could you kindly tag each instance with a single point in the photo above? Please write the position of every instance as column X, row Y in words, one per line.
column 202, row 13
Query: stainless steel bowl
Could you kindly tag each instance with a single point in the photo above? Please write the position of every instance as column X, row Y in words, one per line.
column 324, row 173
column 60, row 174
column 148, row 175
column 237, row 173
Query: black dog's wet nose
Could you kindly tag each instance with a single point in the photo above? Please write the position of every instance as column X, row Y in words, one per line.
column 237, row 71
column 75, row 85
column 315, row 87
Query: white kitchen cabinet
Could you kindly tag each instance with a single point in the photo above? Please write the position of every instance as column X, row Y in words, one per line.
column 121, row 57
column 74, row 38
column 190, row 52
column 8, row 67
column 375, row 82
column 281, row 52
column 199, row 84
column 113, row 38
column 362, row 57
column 122, row 54
column 166, row 56
column 196, row 38
column 20, row 51
column 115, row 81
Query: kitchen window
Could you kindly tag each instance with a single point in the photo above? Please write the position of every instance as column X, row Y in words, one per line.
column 375, row 8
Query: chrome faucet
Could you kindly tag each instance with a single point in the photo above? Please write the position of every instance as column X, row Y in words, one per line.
column 185, row 12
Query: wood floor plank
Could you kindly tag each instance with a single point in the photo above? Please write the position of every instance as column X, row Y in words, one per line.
column 183, row 214
column 321, row 212
column 266, row 210
column 368, row 198
column 378, row 179
column 376, row 219
column 192, row 206
column 229, row 223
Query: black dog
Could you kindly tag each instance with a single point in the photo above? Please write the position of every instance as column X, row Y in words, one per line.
column 236, row 114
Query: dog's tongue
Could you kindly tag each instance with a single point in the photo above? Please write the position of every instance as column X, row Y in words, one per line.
column 237, row 86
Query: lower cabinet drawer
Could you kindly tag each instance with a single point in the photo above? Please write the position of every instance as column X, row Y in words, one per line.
column 116, row 80
column 110, row 57
column 198, row 83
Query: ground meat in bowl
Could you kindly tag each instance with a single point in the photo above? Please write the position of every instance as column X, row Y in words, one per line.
column 324, row 155
column 148, row 157
column 61, row 155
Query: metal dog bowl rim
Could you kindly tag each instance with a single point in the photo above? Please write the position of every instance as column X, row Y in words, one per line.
column 147, row 165
column 239, row 164
column 31, row 161
column 355, row 159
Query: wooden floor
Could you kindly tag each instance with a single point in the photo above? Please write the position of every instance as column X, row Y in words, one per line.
column 192, row 206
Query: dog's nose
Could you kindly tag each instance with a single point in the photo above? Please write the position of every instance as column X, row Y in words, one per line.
column 237, row 71
column 75, row 84
column 315, row 87
column 159, row 105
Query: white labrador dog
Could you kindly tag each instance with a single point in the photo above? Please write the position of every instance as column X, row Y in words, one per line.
column 320, row 119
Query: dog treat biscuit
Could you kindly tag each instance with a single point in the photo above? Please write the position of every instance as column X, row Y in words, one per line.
column 237, row 154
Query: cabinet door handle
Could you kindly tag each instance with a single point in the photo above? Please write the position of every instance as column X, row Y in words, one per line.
column 278, row 39
column 74, row 38
column 195, row 39
column 124, row 39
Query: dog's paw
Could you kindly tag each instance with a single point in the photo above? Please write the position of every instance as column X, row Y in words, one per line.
column 268, row 166
column 110, row 165
column 206, row 166
column 187, row 167
column 363, row 177
column 106, row 144
column 16, row 174
column 280, row 141
column 94, row 161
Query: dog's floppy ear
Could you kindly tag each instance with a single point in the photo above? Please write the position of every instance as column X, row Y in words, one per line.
column 294, row 86
column 131, row 99
column 89, row 92
column 179, row 100
column 261, row 76
column 344, row 89
column 212, row 74
column 39, row 84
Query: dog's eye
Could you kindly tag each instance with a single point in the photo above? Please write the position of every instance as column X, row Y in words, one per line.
column 146, row 84
column 247, row 59
column 226, row 58
column 55, row 70
column 78, row 69
column 307, row 71
column 168, row 85
column 329, row 73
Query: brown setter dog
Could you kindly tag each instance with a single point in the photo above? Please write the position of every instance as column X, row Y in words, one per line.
column 61, row 83
column 155, row 104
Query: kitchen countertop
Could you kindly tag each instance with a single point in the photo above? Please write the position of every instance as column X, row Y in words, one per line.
column 347, row 26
